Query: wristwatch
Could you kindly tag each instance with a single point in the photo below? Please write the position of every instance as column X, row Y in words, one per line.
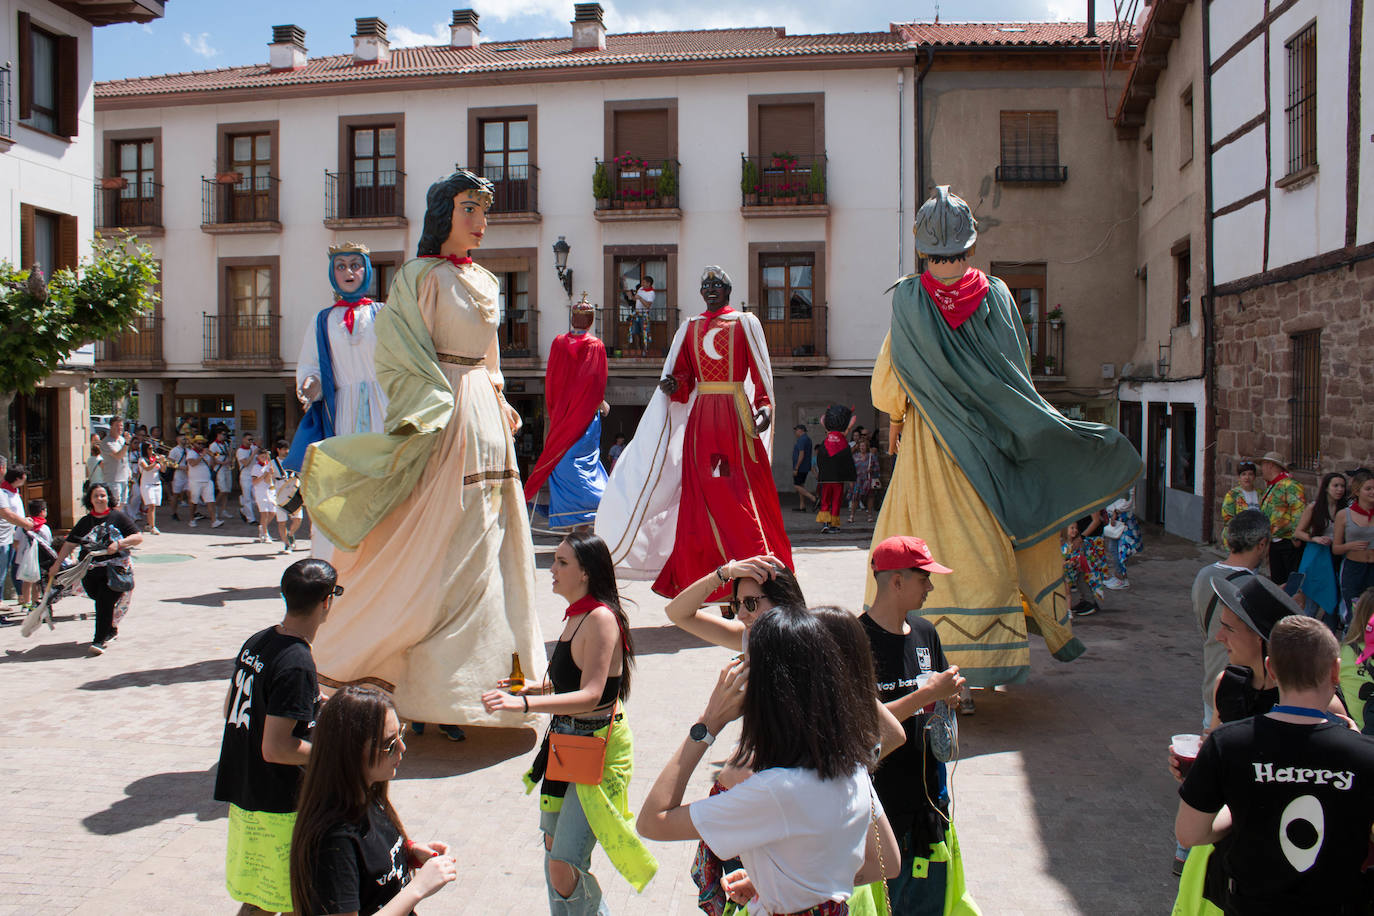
column 700, row 733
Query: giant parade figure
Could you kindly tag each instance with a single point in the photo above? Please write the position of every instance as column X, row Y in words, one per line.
column 435, row 546
column 694, row 488
column 575, row 391
column 987, row 471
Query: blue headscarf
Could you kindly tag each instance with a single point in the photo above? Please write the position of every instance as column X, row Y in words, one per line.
column 362, row 289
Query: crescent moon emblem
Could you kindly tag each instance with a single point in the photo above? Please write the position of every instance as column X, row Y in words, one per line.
column 708, row 344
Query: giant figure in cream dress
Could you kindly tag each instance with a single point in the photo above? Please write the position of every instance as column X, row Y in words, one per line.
column 435, row 552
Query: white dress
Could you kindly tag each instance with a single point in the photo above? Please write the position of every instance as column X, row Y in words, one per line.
column 359, row 405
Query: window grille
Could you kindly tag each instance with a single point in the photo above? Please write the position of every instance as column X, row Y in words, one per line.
column 1301, row 110
column 1306, row 399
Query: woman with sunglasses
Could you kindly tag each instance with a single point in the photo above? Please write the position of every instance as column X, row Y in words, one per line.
column 349, row 850
column 587, row 682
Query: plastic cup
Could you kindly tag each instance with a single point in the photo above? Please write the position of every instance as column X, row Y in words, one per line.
column 1185, row 748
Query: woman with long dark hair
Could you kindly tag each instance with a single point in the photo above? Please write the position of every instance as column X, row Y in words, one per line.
column 587, row 682
column 104, row 534
column 1317, row 528
column 149, row 484
column 807, row 824
column 756, row 584
column 349, row 850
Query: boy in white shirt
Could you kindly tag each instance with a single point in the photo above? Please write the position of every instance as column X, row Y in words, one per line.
column 264, row 492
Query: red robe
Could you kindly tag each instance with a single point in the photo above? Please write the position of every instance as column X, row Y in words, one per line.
column 574, row 387
column 729, row 507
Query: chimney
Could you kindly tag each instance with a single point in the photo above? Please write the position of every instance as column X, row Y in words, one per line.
column 369, row 43
column 463, row 31
column 589, row 31
column 287, row 50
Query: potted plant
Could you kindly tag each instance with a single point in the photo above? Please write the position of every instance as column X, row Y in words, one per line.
column 667, row 185
column 618, row 200
column 749, row 183
column 601, row 186
column 815, row 184
column 228, row 177
column 636, row 199
column 1050, row 364
column 786, row 195
column 1056, row 317
column 113, row 184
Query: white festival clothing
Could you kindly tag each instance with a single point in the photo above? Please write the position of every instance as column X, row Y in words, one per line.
column 637, row 517
column 15, row 503
column 200, row 491
column 180, row 479
column 801, row 838
column 264, row 491
column 150, row 486
column 199, row 472
column 359, row 404
column 224, row 466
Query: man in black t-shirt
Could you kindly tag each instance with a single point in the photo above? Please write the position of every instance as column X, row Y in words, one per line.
column 1288, row 797
column 912, row 676
column 268, row 712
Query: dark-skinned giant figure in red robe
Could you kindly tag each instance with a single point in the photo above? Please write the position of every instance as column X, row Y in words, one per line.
column 694, row 488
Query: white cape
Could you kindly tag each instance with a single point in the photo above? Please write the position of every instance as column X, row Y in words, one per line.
column 637, row 517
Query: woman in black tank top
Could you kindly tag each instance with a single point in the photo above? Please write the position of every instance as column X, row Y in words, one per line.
column 587, row 678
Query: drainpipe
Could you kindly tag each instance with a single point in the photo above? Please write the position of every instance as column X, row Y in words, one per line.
column 1209, row 369
column 920, row 130
column 901, row 172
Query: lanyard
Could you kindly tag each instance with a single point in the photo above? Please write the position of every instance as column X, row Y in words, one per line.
column 1303, row 711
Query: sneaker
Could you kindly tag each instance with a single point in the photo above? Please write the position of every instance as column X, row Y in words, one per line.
column 197, row 515
column 1088, row 609
column 1178, row 867
column 96, row 648
column 284, row 549
column 155, row 531
column 453, row 732
column 290, row 542
column 216, row 523
column 192, row 523
column 1112, row 582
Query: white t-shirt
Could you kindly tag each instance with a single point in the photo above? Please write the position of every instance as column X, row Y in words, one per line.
column 200, row 471
column 644, row 300
column 15, row 503
column 1251, row 497
column 801, row 838
column 116, row 468
column 260, row 472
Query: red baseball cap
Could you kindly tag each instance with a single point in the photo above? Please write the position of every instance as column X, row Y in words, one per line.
column 905, row 552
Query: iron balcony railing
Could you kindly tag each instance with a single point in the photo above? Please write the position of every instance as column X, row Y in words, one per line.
column 234, row 198
column 1046, row 339
column 6, row 106
column 138, row 344
column 248, row 341
column 783, row 180
column 517, row 188
column 1046, row 174
column 364, row 195
column 630, row 336
column 122, row 204
column 800, row 332
column 518, row 334
column 635, row 183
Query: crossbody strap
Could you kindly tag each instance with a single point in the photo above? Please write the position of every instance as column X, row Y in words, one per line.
column 1212, row 605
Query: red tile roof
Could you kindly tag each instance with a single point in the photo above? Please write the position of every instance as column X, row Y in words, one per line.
column 1021, row 34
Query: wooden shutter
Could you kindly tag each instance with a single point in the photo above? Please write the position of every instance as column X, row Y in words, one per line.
column 788, row 129
column 502, row 265
column 66, row 242
column 68, row 98
column 1030, row 138
column 643, row 133
column 26, row 230
column 25, row 31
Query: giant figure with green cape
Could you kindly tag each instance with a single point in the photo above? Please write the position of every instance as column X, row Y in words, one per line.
column 987, row 472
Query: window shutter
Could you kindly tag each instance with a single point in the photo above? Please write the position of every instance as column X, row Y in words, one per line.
column 643, row 133
column 788, row 129
column 26, row 230
column 68, row 98
column 25, row 67
column 1030, row 138
column 502, row 265
column 67, row 241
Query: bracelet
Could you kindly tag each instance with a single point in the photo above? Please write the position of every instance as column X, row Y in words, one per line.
column 721, row 575
column 526, row 700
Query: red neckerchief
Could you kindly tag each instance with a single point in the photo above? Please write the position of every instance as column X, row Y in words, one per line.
column 1355, row 507
column 350, row 306
column 588, row 603
column 958, row 300
column 95, row 514
column 6, row 485
column 38, row 521
column 451, row 258
column 718, row 312
column 1283, row 475
column 834, row 443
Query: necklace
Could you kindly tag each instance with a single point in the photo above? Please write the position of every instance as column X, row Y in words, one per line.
column 288, row 632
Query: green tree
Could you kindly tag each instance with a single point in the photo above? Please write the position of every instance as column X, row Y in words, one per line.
column 42, row 323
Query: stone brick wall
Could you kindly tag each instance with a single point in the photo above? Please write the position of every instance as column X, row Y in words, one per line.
column 1254, row 365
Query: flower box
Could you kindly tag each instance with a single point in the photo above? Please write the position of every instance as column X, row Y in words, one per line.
column 113, row 184
column 228, row 177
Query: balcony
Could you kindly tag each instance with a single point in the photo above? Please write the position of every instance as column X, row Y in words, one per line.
column 615, row 325
column 1046, row 339
column 138, row 346
column 797, row 338
column 1032, row 174
column 232, row 203
column 132, row 208
column 630, row 188
column 782, row 186
column 6, row 109
column 365, row 200
column 517, row 333
column 516, row 192
column 242, row 341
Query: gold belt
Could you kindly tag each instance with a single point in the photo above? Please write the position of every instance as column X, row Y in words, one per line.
column 720, row 387
column 735, row 389
column 459, row 360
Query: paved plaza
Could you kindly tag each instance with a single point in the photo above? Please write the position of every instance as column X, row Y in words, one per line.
column 1063, row 803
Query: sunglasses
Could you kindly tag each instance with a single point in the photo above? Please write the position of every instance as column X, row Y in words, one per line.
column 338, row 590
column 750, row 603
column 391, row 747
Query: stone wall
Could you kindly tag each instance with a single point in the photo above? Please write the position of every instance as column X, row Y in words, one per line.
column 1254, row 365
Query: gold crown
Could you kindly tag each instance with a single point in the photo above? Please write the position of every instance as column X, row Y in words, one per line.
column 583, row 305
column 348, row 248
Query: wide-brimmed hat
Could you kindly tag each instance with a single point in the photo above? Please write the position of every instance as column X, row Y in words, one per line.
column 1276, row 458
column 1257, row 601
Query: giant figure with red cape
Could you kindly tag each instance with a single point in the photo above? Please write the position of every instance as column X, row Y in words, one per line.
column 574, row 391
column 695, row 488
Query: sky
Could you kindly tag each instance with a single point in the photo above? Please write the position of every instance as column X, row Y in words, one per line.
column 207, row 34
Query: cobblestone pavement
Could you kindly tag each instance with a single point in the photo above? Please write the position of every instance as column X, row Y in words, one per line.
column 1063, row 803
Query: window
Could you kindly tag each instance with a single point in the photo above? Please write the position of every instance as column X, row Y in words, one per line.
column 205, row 411
column 787, row 293
column 47, row 239
column 373, row 171
column 513, row 312
column 247, row 186
column 631, row 273
column 786, row 144
column 384, row 267
column 1183, row 447
column 506, row 161
column 647, row 130
column 1026, row 283
column 47, row 79
column 628, row 266
column 1301, row 107
column 788, row 287
column 1306, row 399
column 1185, row 127
column 134, row 161
column 1183, row 281
column 1030, row 147
column 1147, row 169
column 247, row 325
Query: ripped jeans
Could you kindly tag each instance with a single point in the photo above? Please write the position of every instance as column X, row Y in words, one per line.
column 573, row 841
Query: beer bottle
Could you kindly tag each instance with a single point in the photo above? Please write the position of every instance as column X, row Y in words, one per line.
column 517, row 676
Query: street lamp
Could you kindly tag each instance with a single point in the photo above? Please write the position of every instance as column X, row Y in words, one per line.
column 560, row 263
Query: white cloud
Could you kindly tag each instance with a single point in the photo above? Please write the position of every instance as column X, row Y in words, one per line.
column 200, row 44
column 403, row 37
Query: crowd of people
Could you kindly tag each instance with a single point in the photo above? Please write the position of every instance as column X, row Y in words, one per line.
column 847, row 468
